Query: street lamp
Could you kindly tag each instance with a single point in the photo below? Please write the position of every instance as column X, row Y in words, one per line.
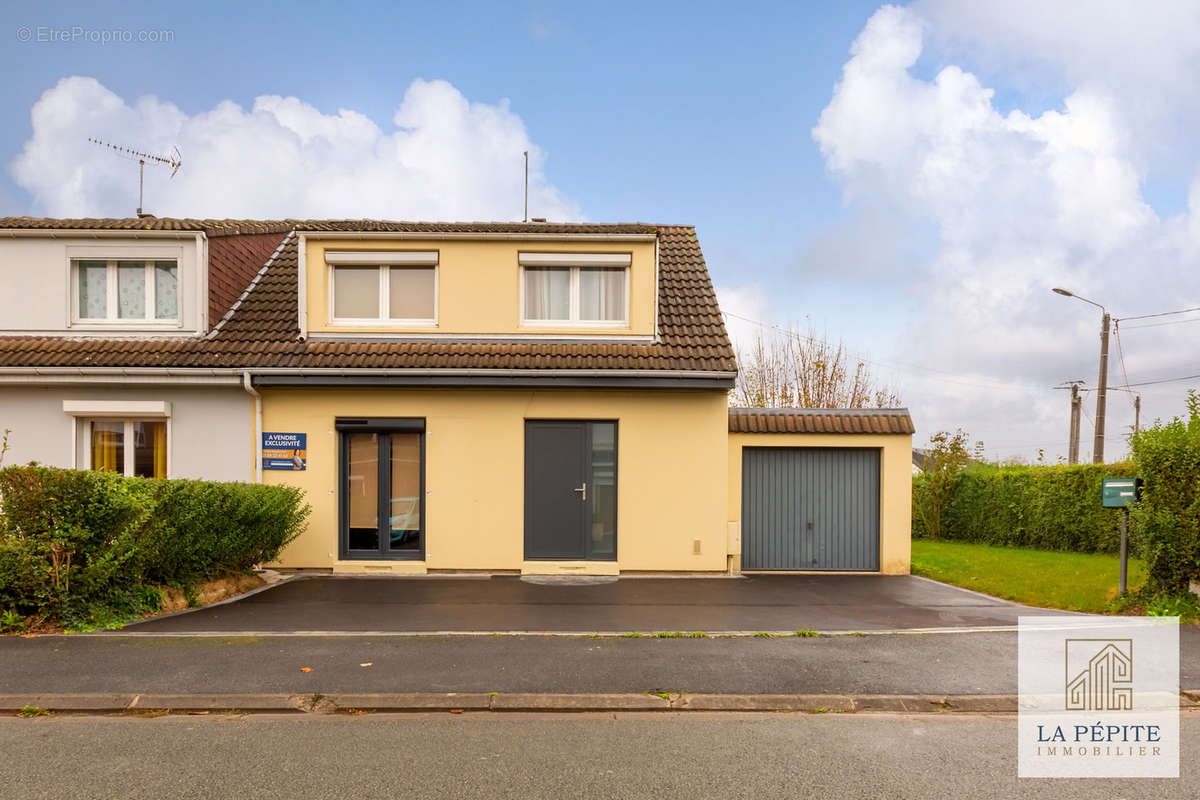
column 1102, row 389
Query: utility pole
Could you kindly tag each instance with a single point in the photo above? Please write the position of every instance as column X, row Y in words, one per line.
column 1137, row 413
column 1076, row 408
column 1101, row 391
column 1102, row 388
column 1076, row 413
column 526, row 187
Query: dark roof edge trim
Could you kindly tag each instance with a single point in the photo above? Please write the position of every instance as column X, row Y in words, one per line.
column 647, row 236
column 561, row 379
column 823, row 412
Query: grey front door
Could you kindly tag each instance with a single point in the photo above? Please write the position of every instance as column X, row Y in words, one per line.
column 570, row 490
column 811, row 508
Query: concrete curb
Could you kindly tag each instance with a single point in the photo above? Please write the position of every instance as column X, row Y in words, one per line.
column 128, row 703
column 126, row 632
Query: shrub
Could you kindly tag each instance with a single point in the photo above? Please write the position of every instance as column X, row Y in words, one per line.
column 86, row 548
column 1167, row 519
column 1186, row 606
column 1043, row 507
column 204, row 530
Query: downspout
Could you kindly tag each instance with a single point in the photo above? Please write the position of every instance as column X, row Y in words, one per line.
column 258, row 424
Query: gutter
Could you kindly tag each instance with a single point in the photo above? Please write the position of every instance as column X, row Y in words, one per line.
column 96, row 233
column 369, row 376
column 122, row 375
column 248, row 385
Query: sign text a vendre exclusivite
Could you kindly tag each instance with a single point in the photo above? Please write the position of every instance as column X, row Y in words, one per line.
column 284, row 451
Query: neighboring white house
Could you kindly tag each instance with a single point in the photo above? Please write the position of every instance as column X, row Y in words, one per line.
column 144, row 287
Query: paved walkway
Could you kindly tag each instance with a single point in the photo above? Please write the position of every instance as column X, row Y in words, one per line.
column 827, row 603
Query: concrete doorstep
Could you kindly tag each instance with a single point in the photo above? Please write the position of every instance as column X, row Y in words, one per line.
column 454, row 702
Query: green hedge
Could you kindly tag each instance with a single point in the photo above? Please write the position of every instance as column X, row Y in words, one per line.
column 84, row 547
column 1044, row 507
column 1167, row 519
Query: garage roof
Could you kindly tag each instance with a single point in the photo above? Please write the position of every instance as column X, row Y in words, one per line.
column 820, row 420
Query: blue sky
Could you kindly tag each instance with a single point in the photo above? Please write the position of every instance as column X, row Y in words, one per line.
column 642, row 109
column 704, row 113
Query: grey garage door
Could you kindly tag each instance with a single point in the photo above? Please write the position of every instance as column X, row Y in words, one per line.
column 810, row 508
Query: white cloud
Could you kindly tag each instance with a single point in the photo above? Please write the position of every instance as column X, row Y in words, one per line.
column 1144, row 55
column 443, row 157
column 748, row 302
column 1019, row 203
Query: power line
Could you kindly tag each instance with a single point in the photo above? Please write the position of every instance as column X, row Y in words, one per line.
column 1164, row 313
column 1164, row 380
column 1125, row 387
column 1121, row 357
column 1162, row 324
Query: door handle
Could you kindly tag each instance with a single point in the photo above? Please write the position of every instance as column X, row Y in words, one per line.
column 583, row 491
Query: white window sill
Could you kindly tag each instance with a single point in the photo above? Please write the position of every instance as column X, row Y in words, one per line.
column 567, row 324
column 127, row 323
column 383, row 323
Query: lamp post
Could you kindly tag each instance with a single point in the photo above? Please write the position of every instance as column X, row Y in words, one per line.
column 1102, row 387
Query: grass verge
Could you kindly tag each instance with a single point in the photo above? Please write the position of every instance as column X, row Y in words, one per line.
column 1049, row 579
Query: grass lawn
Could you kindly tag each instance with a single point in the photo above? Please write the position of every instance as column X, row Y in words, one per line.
column 1071, row 581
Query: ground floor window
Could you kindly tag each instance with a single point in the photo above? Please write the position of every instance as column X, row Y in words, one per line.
column 125, row 446
column 382, row 494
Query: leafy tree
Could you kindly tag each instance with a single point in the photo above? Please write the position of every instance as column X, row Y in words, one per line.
column 945, row 457
column 800, row 369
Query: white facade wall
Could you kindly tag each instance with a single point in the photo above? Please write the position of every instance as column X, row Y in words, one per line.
column 35, row 272
column 210, row 432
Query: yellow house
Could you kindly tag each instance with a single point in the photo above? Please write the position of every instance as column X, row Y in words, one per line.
column 494, row 397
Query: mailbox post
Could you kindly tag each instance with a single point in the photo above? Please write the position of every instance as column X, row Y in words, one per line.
column 1122, row 493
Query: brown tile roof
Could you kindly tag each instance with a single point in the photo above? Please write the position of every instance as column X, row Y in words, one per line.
column 233, row 261
column 263, row 331
column 820, row 420
column 213, row 227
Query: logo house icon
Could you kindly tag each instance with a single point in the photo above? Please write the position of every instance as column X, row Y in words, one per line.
column 1099, row 675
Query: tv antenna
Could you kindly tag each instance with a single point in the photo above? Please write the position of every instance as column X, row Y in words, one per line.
column 174, row 161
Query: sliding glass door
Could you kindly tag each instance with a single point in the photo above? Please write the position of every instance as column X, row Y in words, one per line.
column 382, row 497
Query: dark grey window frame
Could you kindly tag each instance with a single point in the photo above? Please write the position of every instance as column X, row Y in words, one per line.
column 383, row 426
column 528, row 515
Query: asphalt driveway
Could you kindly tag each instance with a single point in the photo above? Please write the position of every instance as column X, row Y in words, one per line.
column 776, row 603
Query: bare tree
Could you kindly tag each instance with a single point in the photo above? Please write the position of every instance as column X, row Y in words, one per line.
column 798, row 369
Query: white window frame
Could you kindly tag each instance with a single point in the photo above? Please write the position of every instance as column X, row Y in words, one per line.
column 84, row 412
column 576, row 262
column 83, row 441
column 384, row 261
column 112, row 300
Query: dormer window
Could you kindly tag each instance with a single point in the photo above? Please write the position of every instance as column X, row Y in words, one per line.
column 575, row 289
column 126, row 291
column 383, row 288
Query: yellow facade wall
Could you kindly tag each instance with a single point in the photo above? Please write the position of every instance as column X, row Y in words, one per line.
column 671, row 473
column 479, row 284
column 895, row 477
